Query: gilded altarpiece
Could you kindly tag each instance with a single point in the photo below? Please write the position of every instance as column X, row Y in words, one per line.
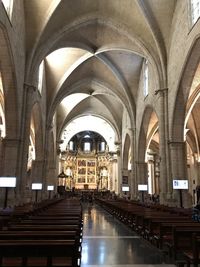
column 86, row 172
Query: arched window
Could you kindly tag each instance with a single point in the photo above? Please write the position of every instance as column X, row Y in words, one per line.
column 40, row 76
column 87, row 146
column 8, row 4
column 146, row 78
column 71, row 145
column 103, row 146
column 195, row 10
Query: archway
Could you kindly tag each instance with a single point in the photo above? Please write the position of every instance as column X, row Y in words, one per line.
column 183, row 127
column 148, row 169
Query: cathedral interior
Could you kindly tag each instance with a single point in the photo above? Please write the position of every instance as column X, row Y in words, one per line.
column 100, row 95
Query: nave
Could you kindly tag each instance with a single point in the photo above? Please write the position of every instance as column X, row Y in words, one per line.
column 109, row 243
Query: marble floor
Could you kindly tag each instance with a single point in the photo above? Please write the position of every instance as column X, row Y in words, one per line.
column 109, row 243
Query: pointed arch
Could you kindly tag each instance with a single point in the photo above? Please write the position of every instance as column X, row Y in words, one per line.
column 126, row 150
column 36, row 114
column 142, row 140
column 189, row 69
column 9, row 86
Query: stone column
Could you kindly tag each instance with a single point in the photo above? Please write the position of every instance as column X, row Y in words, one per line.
column 179, row 170
column 141, row 172
column 9, row 166
column 119, row 174
column 132, row 182
column 141, row 175
column 119, row 167
column 163, row 144
column 151, row 175
column 52, row 176
column 10, row 152
column 111, row 178
column 115, row 176
column 28, row 99
column 198, row 172
column 36, row 174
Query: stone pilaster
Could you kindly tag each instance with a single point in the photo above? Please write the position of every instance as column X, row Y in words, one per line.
column 10, row 152
column 179, row 170
column 198, row 172
column 22, row 189
column 142, row 176
column 9, row 166
column 141, row 172
column 163, row 144
column 132, row 176
column 115, row 176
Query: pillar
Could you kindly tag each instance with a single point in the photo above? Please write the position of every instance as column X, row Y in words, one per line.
column 163, row 145
column 22, row 190
column 142, row 175
column 115, row 176
column 179, row 171
column 132, row 182
column 9, row 165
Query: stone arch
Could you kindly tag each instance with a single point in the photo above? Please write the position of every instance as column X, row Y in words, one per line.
column 51, row 173
column 76, row 88
column 9, row 86
column 43, row 50
column 126, row 149
column 178, row 121
column 144, row 139
column 177, row 144
column 36, row 114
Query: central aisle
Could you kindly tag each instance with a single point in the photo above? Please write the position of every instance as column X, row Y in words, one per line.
column 109, row 243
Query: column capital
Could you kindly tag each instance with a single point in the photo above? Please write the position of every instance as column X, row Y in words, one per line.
column 131, row 130
column 30, row 88
column 49, row 126
column 161, row 91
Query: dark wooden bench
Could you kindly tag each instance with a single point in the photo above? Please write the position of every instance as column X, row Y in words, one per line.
column 181, row 240
column 159, row 228
column 192, row 255
column 39, row 253
column 39, row 235
column 51, row 227
column 48, row 222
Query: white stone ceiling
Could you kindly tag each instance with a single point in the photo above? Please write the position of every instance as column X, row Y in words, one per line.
column 93, row 50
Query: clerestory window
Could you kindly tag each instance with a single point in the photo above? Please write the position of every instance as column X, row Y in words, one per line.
column 87, row 147
column 40, row 76
column 195, row 10
column 8, row 4
column 146, row 78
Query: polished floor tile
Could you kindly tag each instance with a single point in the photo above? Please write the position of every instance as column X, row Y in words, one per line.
column 108, row 242
column 134, row 265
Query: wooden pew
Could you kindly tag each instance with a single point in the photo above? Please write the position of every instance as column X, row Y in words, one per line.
column 47, row 235
column 160, row 227
column 163, row 233
column 56, row 227
column 192, row 255
column 181, row 239
column 48, row 222
column 42, row 252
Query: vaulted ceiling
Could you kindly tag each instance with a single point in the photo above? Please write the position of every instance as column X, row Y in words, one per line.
column 96, row 47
